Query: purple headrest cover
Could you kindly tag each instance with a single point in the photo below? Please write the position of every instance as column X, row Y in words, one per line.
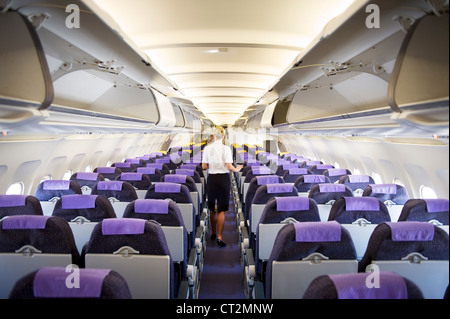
column 362, row 204
column 123, row 226
column 437, row 205
column 151, row 206
column 110, row 186
column 384, row 188
column 131, row 176
column 298, row 171
column 50, row 282
column 12, row 200
column 268, row 179
column 358, row 178
column 289, row 204
column 106, row 170
column 354, row 286
column 87, row 176
column 337, row 171
column 147, row 170
column 411, row 231
column 78, row 201
column 332, row 188
column 167, row 188
column 279, row 188
column 25, row 222
column 310, row 179
column 51, row 185
column 187, row 172
column 312, row 232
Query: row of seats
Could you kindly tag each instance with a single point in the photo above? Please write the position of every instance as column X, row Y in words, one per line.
column 50, row 241
column 304, row 251
column 270, row 205
column 156, row 235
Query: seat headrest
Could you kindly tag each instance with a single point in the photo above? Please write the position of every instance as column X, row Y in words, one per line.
column 131, row 177
column 354, row 286
column 134, row 161
column 362, row 204
column 359, row 178
column 298, row 171
column 279, row 188
column 187, row 172
column 332, row 188
column 12, row 200
column 384, row 188
column 78, row 201
column 56, row 185
column 261, row 170
column 123, row 165
column 106, row 170
column 324, row 166
column 147, row 170
column 411, row 231
column 337, row 171
column 286, row 204
column 437, row 205
column 123, row 226
column 313, row 232
column 155, row 165
column 151, row 206
column 50, row 282
column 173, row 178
column 310, row 179
column 110, row 186
column 25, row 222
column 87, row 176
column 268, row 179
column 167, row 187
column 289, row 166
column 162, row 161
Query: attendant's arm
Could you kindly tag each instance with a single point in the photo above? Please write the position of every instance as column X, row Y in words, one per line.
column 233, row 169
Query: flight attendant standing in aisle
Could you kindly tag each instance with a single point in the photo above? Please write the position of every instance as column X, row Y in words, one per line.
column 218, row 160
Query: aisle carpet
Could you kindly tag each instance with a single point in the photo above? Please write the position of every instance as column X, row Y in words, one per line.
column 222, row 271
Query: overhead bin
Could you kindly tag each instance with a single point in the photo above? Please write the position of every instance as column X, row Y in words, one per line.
column 421, row 73
column 165, row 110
column 266, row 120
column 25, row 78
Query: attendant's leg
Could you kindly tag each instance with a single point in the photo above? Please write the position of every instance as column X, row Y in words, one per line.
column 220, row 224
column 213, row 220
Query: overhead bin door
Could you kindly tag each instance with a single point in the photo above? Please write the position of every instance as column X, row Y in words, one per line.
column 421, row 73
column 24, row 75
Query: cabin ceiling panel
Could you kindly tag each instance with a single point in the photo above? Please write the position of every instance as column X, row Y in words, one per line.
column 222, row 44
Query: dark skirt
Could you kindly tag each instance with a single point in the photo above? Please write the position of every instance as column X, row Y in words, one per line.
column 218, row 189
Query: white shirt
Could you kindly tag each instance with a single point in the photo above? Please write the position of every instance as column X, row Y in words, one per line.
column 217, row 156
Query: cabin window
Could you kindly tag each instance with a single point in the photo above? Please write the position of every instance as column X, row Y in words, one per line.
column 15, row 189
column 427, row 193
column 336, row 165
column 398, row 181
column 46, row 178
column 356, row 171
column 68, row 175
column 377, row 178
column 109, row 164
column 88, row 169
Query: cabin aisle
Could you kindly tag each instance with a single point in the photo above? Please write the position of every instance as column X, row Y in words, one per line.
column 222, row 271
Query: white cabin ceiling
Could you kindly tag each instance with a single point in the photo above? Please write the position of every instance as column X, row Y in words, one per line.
column 222, row 55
